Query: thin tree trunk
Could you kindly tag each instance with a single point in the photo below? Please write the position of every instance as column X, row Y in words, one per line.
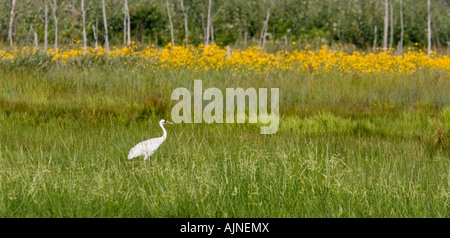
column 126, row 25
column 204, row 29
column 375, row 37
column 391, row 20
column 402, row 30
column 105, row 23
column 11, row 21
column 263, row 35
column 245, row 39
column 237, row 39
column 186, row 30
column 437, row 41
column 170, row 23
column 95, row 31
column 386, row 25
column 212, row 34
column 448, row 47
column 208, row 24
column 74, row 16
column 36, row 43
column 429, row 28
column 53, row 6
column 30, row 32
column 45, row 27
column 83, row 15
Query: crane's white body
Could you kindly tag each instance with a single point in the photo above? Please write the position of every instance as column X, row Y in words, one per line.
column 148, row 147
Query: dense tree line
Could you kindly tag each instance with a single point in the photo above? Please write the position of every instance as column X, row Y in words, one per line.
column 237, row 23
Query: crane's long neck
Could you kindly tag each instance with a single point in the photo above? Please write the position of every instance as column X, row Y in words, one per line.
column 164, row 130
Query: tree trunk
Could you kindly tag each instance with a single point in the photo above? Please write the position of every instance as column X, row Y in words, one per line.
column 245, row 39
column 262, row 38
column 95, row 31
column 53, row 6
column 429, row 28
column 386, row 25
column 391, row 20
column 208, row 24
column 437, row 41
column 30, row 32
column 83, row 15
column 212, row 34
column 402, row 30
column 170, row 23
column 105, row 23
column 45, row 27
column 204, row 29
column 261, row 35
column 11, row 21
column 186, row 30
column 375, row 37
column 126, row 25
column 36, row 43
column 237, row 39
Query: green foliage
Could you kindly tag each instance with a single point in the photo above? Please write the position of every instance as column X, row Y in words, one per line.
column 309, row 21
column 148, row 22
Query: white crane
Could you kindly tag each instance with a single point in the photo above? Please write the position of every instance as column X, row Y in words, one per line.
column 149, row 147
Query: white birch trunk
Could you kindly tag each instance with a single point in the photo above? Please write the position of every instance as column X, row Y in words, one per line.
column 170, row 23
column 105, row 23
column 30, row 32
column 53, row 6
column 126, row 25
column 11, row 21
column 261, row 35
column 186, row 29
column 245, row 39
column 402, row 30
column 386, row 25
column 36, row 43
column 375, row 37
column 83, row 15
column 212, row 34
column 391, row 26
column 264, row 30
column 95, row 31
column 208, row 24
column 429, row 28
column 45, row 27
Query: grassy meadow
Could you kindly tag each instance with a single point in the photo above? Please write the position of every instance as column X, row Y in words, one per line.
column 350, row 144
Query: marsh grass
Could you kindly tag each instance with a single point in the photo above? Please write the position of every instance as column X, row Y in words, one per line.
column 348, row 146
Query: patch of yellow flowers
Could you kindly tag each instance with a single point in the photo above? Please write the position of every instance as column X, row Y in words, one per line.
column 254, row 58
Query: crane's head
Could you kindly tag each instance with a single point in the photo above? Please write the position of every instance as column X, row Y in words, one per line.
column 164, row 121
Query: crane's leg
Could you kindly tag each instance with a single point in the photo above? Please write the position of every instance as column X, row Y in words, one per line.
column 146, row 156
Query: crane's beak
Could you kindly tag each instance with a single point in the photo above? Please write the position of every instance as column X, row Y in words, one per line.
column 169, row 122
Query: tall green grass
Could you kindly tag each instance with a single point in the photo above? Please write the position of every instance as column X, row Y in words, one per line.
column 349, row 145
